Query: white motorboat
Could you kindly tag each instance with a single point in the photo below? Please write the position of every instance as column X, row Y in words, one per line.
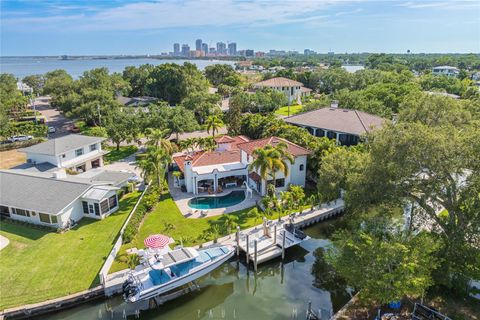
column 172, row 270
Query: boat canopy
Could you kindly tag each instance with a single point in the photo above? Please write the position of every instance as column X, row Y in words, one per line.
column 178, row 256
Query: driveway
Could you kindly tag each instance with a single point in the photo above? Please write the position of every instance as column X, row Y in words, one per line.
column 125, row 164
column 54, row 117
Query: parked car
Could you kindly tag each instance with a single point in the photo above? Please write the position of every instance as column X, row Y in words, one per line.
column 20, row 138
column 51, row 130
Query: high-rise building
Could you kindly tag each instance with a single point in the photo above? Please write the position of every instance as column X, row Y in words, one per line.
column 221, row 48
column 185, row 50
column 232, row 49
column 176, row 49
column 249, row 53
column 205, row 48
column 198, row 44
column 212, row 51
column 308, row 52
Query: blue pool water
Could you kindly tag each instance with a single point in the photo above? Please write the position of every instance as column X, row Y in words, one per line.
column 231, row 199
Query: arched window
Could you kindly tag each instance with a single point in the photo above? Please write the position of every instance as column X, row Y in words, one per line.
column 301, row 167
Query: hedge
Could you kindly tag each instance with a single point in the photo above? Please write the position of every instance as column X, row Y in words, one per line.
column 147, row 204
column 21, row 144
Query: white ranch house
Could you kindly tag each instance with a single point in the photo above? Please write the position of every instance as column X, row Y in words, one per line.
column 228, row 166
column 58, row 200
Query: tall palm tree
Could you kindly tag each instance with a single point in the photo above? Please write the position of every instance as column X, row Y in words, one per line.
column 272, row 159
column 213, row 123
column 155, row 163
column 158, row 139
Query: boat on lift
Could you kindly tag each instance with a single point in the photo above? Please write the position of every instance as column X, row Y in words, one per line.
column 172, row 270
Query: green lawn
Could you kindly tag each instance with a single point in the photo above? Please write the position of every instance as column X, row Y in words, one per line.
column 283, row 111
column 192, row 231
column 38, row 265
column 121, row 153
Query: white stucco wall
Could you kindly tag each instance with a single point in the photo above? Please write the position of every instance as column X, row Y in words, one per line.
column 73, row 211
column 61, row 161
column 297, row 176
column 40, row 158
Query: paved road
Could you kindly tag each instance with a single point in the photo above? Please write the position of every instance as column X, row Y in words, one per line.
column 54, row 117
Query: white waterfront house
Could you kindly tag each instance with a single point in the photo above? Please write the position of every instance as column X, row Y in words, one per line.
column 56, row 199
column 228, row 166
column 291, row 88
column 446, row 71
column 75, row 152
column 346, row 126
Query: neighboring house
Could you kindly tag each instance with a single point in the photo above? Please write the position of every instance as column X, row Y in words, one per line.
column 291, row 88
column 228, row 166
column 446, row 71
column 444, row 94
column 344, row 125
column 24, row 88
column 136, row 101
column 75, row 152
column 305, row 91
column 57, row 199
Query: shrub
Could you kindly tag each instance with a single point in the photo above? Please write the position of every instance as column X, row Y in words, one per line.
column 148, row 202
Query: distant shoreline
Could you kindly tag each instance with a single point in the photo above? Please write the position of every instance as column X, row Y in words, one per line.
column 123, row 57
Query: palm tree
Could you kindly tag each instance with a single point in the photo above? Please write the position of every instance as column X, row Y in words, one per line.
column 269, row 160
column 255, row 214
column 230, row 223
column 157, row 138
column 155, row 163
column 213, row 123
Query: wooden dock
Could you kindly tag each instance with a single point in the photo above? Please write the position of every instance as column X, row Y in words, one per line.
column 270, row 240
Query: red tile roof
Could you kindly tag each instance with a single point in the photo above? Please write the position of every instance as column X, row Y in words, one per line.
column 234, row 141
column 293, row 148
column 224, row 139
column 202, row 158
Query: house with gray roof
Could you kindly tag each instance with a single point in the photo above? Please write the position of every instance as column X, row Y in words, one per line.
column 75, row 152
column 344, row 125
column 56, row 199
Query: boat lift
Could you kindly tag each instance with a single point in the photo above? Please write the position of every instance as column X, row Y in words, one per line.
column 269, row 241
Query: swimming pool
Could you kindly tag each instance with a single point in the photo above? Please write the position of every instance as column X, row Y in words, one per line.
column 228, row 200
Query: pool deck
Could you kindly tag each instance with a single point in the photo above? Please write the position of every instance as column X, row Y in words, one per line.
column 182, row 198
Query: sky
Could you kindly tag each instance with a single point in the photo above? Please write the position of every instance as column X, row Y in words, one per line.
column 107, row 27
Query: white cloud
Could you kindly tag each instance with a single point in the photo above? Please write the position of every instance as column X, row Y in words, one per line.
column 188, row 13
column 450, row 5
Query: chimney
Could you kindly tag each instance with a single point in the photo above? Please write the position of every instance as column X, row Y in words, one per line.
column 334, row 104
column 60, row 174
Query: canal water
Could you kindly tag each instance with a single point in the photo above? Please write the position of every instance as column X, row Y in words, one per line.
column 277, row 291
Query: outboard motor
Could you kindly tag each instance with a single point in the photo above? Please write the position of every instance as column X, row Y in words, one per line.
column 129, row 290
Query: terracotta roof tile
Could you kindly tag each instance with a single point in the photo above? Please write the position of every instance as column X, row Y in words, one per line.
column 202, row 158
column 293, row 148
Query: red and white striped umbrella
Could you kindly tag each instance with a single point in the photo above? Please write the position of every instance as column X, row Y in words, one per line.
column 157, row 241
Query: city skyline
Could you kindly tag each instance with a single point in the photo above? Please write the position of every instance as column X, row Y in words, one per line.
column 151, row 27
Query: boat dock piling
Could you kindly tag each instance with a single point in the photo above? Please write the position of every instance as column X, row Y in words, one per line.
column 268, row 245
